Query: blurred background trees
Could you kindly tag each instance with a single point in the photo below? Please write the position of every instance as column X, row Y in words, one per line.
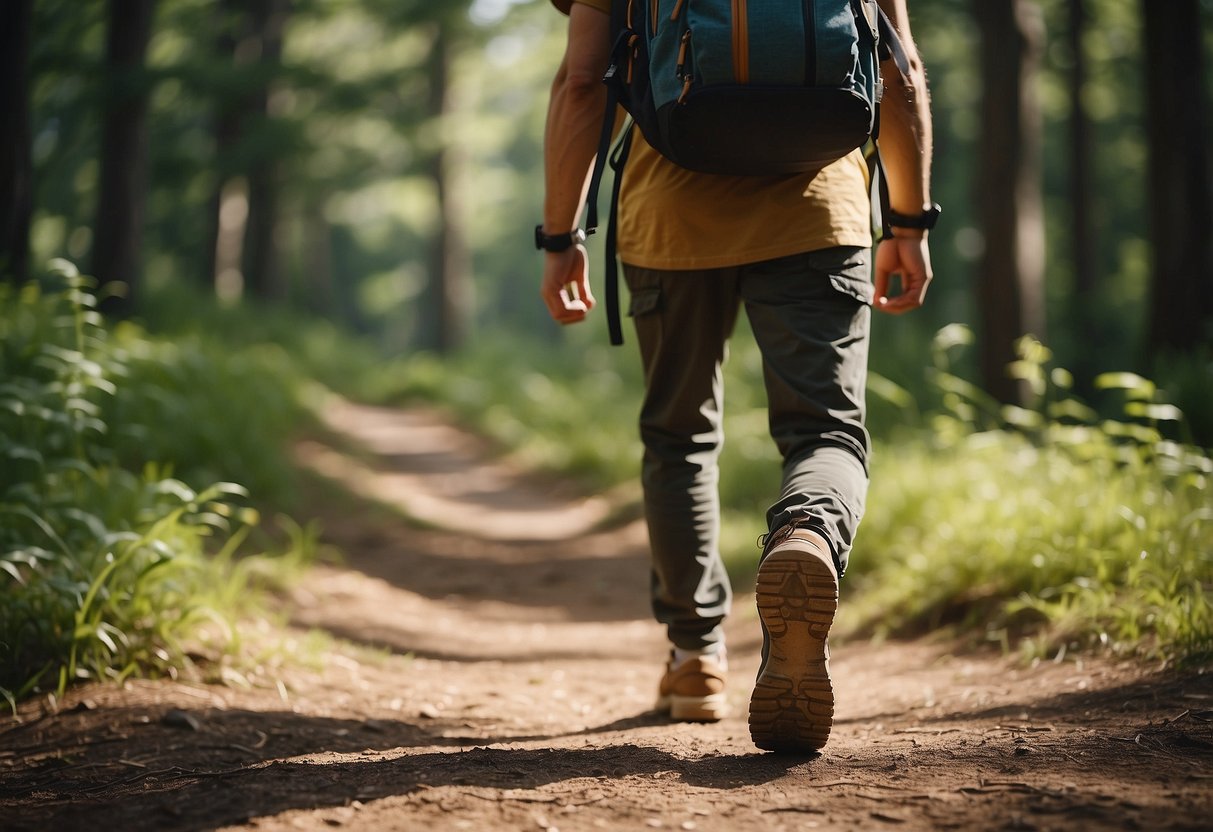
column 1011, row 269
column 121, row 193
column 16, row 167
column 294, row 196
column 1178, row 189
column 378, row 163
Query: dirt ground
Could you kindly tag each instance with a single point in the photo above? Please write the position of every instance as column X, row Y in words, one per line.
column 493, row 668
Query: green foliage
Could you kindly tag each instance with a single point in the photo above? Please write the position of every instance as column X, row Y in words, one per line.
column 560, row 408
column 353, row 130
column 1046, row 523
column 269, row 343
column 109, row 566
column 1052, row 523
column 1187, row 381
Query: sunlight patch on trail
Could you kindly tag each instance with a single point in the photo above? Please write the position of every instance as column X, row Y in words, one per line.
column 414, row 462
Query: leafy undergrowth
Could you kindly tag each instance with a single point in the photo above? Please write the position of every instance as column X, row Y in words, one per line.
column 126, row 547
column 123, row 549
column 1047, row 528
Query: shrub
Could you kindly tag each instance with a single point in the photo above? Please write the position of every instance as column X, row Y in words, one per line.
column 108, row 562
column 1046, row 523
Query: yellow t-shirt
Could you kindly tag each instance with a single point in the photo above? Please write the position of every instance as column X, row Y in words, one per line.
column 673, row 218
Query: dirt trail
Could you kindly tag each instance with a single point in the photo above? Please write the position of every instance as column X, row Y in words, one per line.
column 494, row 670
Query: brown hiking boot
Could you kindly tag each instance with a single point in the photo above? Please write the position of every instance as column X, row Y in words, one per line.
column 792, row 707
column 694, row 691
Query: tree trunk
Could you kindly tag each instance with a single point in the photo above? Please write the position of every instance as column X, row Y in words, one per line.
column 1082, row 239
column 118, row 227
column 261, row 261
column 226, row 131
column 1011, row 279
column 448, row 295
column 1179, row 188
column 16, row 166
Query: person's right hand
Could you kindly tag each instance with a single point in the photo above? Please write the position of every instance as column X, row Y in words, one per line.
column 566, row 284
column 909, row 257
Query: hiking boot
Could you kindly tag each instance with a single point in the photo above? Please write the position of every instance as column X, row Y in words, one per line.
column 694, row 690
column 792, row 707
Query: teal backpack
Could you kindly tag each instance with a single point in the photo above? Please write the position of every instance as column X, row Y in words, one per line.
column 766, row 87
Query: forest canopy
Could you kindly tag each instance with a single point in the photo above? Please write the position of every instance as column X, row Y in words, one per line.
column 378, row 163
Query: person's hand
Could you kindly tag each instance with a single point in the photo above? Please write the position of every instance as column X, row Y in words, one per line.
column 566, row 285
column 910, row 258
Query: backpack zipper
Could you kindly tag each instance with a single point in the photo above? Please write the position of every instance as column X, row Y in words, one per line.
column 680, row 71
column 741, row 42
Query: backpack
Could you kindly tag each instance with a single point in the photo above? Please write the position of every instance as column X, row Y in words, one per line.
column 731, row 87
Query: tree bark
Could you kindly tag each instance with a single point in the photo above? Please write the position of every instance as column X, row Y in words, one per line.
column 226, row 131
column 1082, row 235
column 1179, row 188
column 16, row 166
column 261, row 260
column 118, row 227
column 449, row 294
column 1011, row 278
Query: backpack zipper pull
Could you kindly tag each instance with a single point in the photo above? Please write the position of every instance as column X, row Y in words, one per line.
column 633, row 56
column 680, row 69
column 683, row 46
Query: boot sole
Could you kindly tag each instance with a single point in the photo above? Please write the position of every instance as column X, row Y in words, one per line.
column 792, row 707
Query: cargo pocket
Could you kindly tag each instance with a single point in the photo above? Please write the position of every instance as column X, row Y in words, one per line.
column 857, row 286
column 644, row 301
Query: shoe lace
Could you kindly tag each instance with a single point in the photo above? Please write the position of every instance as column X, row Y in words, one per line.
column 770, row 540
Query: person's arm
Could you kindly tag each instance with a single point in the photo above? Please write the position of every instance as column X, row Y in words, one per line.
column 905, row 153
column 574, row 123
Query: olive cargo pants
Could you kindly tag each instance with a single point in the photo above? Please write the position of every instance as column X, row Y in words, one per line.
column 811, row 317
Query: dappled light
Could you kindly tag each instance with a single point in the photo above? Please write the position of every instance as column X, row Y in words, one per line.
column 312, row 516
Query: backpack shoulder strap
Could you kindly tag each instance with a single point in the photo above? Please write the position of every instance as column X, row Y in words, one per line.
column 619, row 49
column 619, row 46
column 611, row 272
column 600, row 160
column 890, row 43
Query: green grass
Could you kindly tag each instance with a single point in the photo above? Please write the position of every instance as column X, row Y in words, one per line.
column 126, row 547
column 1048, row 527
column 1073, row 541
column 312, row 353
column 123, row 546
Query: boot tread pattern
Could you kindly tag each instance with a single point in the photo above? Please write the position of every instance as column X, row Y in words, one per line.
column 792, row 707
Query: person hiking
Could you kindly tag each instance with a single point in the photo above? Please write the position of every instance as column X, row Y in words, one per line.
column 795, row 251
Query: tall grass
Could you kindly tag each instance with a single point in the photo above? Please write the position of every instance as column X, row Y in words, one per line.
column 306, row 348
column 118, row 553
column 1051, row 527
column 1045, row 526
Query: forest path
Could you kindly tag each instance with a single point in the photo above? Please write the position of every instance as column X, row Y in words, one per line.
column 495, row 669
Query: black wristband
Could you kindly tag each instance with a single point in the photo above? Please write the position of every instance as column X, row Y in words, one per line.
column 558, row 242
column 926, row 220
